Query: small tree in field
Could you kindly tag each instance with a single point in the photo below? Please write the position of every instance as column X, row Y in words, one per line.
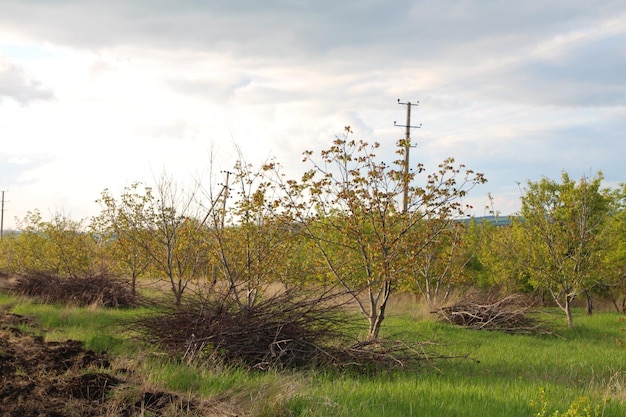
column 442, row 263
column 248, row 239
column 614, row 253
column 347, row 205
column 562, row 224
column 159, row 226
column 499, row 255
column 119, row 238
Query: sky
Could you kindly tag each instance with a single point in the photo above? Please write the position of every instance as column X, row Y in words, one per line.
column 98, row 94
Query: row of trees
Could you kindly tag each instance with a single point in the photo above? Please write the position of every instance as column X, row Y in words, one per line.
column 340, row 226
column 569, row 240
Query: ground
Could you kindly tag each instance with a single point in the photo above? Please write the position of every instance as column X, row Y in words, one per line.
column 63, row 379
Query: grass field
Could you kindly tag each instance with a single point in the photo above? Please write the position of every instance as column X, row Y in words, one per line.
column 501, row 377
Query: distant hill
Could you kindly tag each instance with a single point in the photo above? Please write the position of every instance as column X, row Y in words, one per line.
column 496, row 220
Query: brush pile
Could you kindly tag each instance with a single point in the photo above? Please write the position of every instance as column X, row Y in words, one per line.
column 100, row 290
column 511, row 314
column 289, row 329
column 282, row 330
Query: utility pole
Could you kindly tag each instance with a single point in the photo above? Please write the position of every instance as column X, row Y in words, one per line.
column 2, row 216
column 223, row 194
column 225, row 197
column 406, row 143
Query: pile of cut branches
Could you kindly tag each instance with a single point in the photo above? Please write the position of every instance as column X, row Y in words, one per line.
column 510, row 314
column 101, row 290
column 382, row 355
column 287, row 329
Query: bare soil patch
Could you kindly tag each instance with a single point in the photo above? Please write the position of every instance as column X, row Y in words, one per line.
column 63, row 379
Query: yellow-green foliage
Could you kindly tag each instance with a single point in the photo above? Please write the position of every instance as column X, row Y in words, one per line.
column 581, row 407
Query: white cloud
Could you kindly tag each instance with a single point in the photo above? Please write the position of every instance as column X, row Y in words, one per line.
column 17, row 85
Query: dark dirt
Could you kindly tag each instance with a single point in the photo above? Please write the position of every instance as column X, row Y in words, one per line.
column 63, row 379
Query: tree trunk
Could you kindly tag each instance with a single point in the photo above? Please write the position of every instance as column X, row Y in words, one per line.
column 568, row 310
column 377, row 312
column 133, row 284
column 589, row 303
column 177, row 290
column 375, row 321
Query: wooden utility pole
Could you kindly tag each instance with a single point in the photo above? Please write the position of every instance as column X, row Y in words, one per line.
column 225, row 197
column 2, row 216
column 406, row 143
column 223, row 194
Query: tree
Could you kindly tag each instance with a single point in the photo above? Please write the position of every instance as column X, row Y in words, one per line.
column 61, row 247
column 119, row 239
column 498, row 255
column 28, row 251
column 442, row 263
column 347, row 205
column 613, row 266
column 160, row 225
column 249, row 240
column 562, row 224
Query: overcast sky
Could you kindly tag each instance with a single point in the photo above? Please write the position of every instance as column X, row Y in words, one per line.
column 98, row 94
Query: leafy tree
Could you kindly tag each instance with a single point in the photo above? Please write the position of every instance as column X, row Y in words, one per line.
column 60, row 246
column 613, row 285
column 119, row 238
column 158, row 225
column 347, row 204
column 562, row 224
column 442, row 263
column 498, row 252
column 72, row 246
column 249, row 239
column 29, row 250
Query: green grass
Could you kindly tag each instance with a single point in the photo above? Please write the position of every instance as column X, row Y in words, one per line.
column 501, row 377
column 99, row 329
column 504, row 374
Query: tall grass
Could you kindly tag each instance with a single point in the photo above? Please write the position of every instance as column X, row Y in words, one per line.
column 501, row 376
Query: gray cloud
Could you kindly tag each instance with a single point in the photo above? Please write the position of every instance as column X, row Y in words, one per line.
column 251, row 28
column 503, row 84
column 15, row 84
column 215, row 89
